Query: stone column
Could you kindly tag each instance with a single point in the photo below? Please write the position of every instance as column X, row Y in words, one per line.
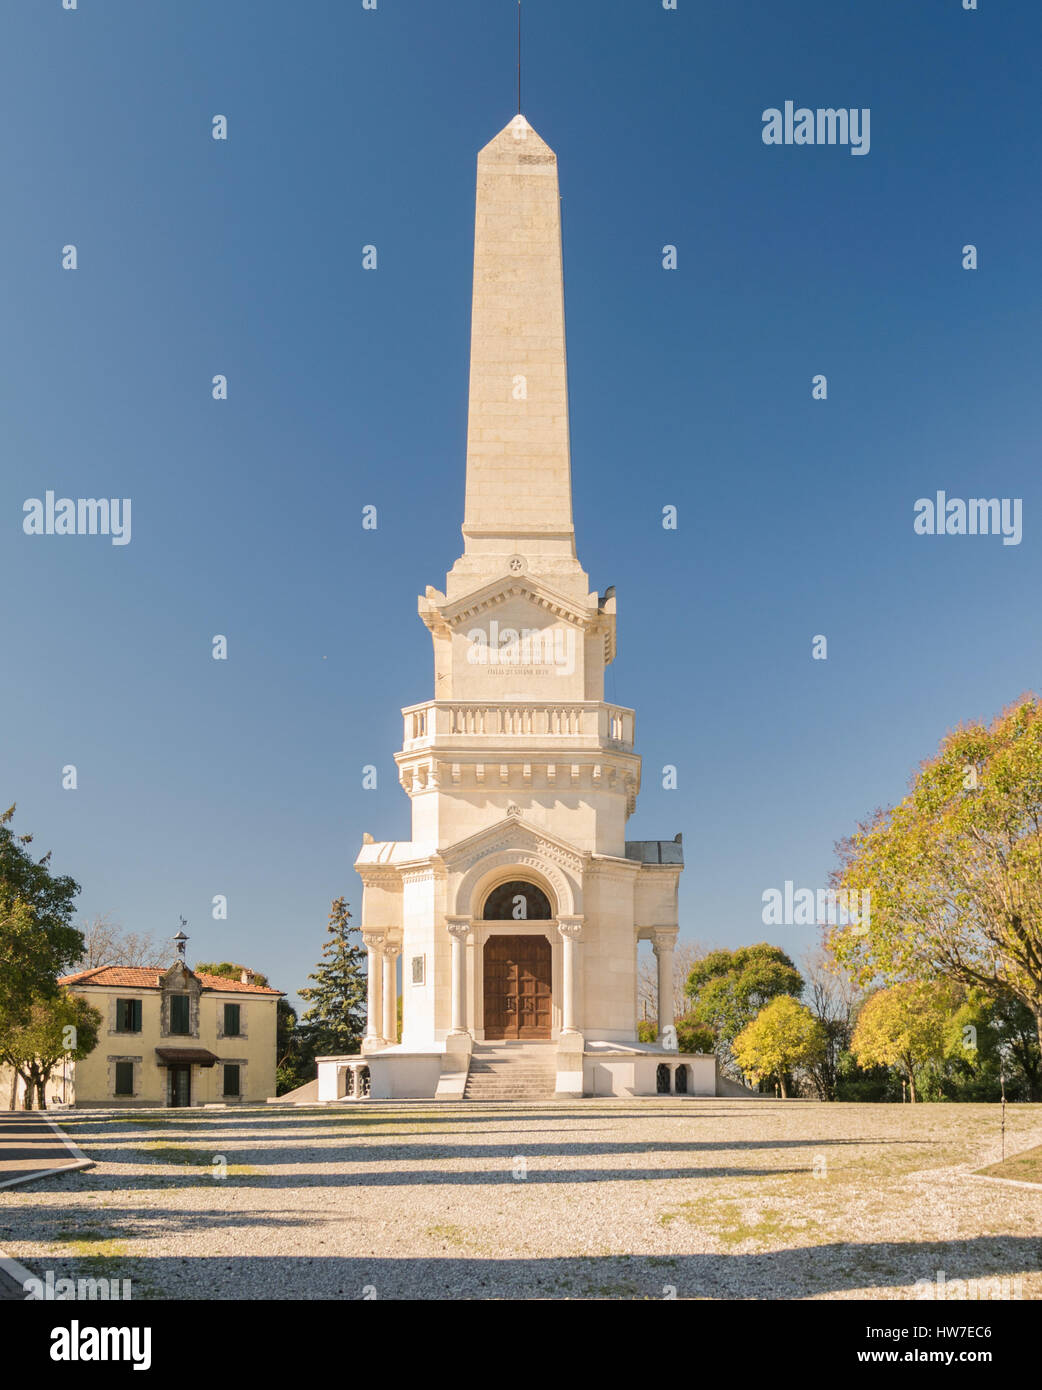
column 390, row 995
column 664, row 941
column 570, row 929
column 459, row 930
column 374, row 946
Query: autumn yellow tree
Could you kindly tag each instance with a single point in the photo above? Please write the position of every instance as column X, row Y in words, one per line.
column 955, row 869
column 907, row 1026
column 783, row 1035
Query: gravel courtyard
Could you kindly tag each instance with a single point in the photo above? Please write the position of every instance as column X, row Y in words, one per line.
column 591, row 1199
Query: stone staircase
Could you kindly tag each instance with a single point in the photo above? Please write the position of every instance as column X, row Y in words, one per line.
column 512, row 1071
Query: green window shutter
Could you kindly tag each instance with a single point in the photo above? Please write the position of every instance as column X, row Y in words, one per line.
column 179, row 1013
column 231, row 1079
column 135, row 1016
column 124, row 1078
column 231, row 1020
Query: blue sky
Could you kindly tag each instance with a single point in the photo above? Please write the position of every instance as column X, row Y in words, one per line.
column 346, row 388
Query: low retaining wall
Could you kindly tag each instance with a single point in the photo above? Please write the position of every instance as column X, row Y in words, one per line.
column 607, row 1071
column 638, row 1074
column 400, row 1076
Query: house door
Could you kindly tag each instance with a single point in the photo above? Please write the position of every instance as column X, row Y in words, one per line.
column 180, row 1086
column 517, row 987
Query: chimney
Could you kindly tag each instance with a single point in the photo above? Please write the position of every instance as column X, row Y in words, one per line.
column 245, row 976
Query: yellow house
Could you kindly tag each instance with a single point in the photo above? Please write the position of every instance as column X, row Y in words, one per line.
column 174, row 1037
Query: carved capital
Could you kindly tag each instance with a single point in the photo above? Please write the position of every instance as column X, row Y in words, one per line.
column 571, row 928
column 392, row 951
column 373, row 939
column 664, row 939
column 458, row 928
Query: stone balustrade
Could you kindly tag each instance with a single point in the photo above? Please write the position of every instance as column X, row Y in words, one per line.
column 353, row 1080
column 589, row 723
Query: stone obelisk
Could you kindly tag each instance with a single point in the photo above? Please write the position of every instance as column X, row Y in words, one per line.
column 518, row 495
column 517, row 904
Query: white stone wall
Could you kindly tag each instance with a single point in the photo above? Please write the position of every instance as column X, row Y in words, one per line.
column 518, row 769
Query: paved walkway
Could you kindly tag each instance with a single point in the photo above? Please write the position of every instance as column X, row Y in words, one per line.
column 32, row 1146
column 11, row 1290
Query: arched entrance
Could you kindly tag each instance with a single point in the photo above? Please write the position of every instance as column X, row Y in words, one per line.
column 517, row 969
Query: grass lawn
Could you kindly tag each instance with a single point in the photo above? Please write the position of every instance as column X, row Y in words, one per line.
column 1023, row 1167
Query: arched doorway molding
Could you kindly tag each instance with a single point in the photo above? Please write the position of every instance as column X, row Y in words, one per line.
column 466, row 898
column 563, row 890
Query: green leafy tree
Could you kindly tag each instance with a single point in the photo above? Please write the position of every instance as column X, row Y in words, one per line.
column 691, row 1036
column 294, row 1051
column 37, row 940
column 336, row 1019
column 1017, row 1041
column 784, row 1035
column 857, row 1083
column 728, row 989
column 228, row 970
column 990, row 1039
column 62, row 1026
column 908, row 1026
column 954, row 870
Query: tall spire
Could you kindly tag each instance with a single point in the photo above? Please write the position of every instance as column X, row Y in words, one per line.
column 518, row 498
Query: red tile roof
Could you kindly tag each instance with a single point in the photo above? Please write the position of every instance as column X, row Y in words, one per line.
column 148, row 977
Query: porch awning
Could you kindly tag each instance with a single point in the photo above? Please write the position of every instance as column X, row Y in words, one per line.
column 185, row 1057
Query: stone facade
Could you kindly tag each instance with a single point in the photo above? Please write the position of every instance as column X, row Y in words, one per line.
column 518, row 770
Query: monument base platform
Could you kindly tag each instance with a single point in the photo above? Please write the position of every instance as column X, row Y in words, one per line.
column 583, row 1069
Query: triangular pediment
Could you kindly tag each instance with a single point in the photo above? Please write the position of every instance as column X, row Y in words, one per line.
column 512, row 832
column 502, row 590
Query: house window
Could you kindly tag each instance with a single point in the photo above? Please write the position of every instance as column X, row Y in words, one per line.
column 124, row 1078
column 231, row 1079
column 231, row 1021
column 128, row 1015
column 179, row 1014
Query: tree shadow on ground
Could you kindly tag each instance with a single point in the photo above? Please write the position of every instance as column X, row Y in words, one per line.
column 93, row 1180
column 833, row 1270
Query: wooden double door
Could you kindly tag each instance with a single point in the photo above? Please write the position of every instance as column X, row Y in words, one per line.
column 518, row 991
